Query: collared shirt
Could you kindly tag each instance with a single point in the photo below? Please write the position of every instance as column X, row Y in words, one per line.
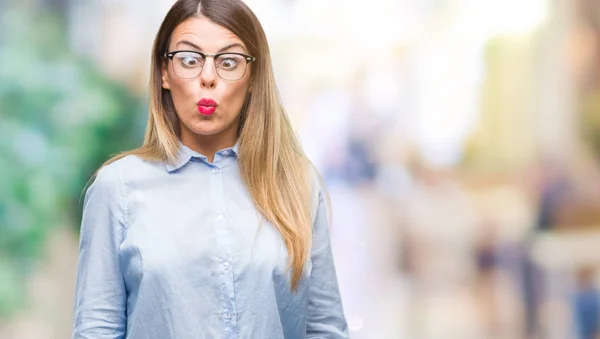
column 180, row 252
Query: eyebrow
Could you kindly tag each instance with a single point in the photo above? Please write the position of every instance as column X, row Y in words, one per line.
column 193, row 45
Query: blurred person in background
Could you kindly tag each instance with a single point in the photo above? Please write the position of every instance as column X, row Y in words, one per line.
column 217, row 227
column 586, row 305
column 487, row 269
column 552, row 189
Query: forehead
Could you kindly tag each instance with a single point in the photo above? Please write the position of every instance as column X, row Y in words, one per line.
column 204, row 33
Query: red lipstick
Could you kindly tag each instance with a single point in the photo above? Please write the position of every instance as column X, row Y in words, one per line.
column 206, row 106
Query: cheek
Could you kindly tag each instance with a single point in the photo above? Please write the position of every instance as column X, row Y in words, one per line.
column 182, row 92
column 236, row 95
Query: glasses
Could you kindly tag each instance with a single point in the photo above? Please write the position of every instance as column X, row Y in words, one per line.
column 229, row 66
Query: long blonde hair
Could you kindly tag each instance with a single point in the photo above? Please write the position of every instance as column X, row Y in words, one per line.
column 272, row 162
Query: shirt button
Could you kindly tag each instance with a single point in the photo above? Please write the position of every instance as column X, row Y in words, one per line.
column 215, row 171
column 226, row 265
column 220, row 218
column 228, row 316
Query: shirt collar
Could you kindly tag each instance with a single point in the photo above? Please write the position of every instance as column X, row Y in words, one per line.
column 186, row 154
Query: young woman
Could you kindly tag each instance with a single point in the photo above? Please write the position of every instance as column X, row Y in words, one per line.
column 217, row 226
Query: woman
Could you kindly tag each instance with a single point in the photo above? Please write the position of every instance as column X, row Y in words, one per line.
column 216, row 227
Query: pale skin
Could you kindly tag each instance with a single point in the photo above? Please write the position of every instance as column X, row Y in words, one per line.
column 206, row 134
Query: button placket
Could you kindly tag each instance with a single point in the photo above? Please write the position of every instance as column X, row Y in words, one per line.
column 221, row 220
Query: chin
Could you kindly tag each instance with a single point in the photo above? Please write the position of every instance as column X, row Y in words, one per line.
column 204, row 128
column 206, row 131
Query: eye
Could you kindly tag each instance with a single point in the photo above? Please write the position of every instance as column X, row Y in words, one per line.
column 189, row 60
column 229, row 62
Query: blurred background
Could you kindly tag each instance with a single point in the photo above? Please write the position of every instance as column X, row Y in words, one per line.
column 460, row 141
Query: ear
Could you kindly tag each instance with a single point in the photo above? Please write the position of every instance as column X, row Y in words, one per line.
column 165, row 76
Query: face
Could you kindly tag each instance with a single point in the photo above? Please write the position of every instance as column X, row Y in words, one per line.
column 193, row 98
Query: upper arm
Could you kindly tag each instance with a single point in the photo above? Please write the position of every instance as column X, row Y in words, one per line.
column 100, row 297
column 325, row 312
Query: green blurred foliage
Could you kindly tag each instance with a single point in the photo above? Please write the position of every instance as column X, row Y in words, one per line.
column 60, row 119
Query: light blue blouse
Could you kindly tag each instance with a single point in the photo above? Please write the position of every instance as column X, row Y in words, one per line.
column 180, row 252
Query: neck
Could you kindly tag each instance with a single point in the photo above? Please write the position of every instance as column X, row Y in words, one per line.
column 208, row 145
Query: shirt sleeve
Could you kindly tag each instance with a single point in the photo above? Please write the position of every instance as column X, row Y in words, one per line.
column 325, row 313
column 100, row 296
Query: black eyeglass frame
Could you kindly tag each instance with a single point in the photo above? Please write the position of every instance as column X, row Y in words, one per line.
column 248, row 58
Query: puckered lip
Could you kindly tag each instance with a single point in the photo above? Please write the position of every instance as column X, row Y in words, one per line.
column 206, row 102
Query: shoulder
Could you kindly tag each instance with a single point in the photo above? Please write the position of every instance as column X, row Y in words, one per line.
column 317, row 184
column 318, row 190
column 111, row 174
column 133, row 168
column 106, row 180
column 111, row 177
column 132, row 164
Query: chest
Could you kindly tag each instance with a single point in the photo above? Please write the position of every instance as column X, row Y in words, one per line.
column 205, row 227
